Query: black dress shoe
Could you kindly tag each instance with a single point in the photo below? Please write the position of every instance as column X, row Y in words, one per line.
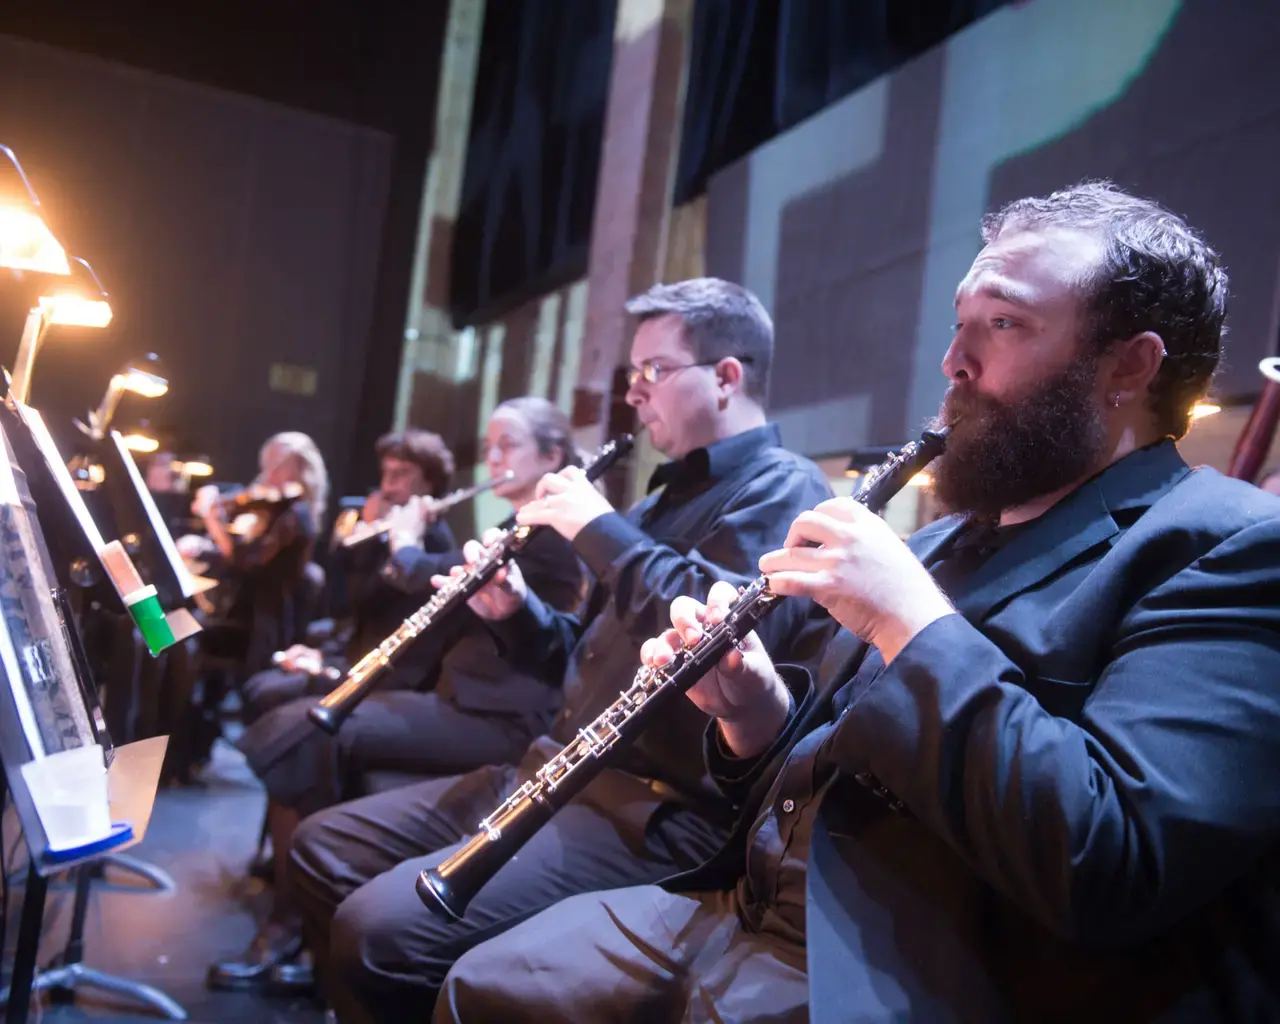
column 291, row 980
column 250, row 969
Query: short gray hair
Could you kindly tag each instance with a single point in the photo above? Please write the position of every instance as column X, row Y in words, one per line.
column 720, row 319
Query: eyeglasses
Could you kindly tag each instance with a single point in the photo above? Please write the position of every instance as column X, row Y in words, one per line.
column 653, row 372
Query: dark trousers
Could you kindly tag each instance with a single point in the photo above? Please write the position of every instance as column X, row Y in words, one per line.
column 306, row 769
column 639, row 954
column 267, row 690
column 382, row 956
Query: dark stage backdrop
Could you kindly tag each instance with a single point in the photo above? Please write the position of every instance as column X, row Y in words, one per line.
column 855, row 226
column 529, row 191
column 232, row 234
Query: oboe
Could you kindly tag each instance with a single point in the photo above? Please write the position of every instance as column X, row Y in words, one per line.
column 332, row 711
column 362, row 532
column 449, row 887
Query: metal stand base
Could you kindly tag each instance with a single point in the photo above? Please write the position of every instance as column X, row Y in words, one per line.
column 61, row 981
column 61, row 984
column 159, row 879
column 155, row 879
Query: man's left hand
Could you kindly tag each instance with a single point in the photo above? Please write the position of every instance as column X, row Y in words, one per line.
column 565, row 501
column 862, row 573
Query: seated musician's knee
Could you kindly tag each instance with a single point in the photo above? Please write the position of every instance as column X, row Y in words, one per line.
column 264, row 691
column 384, row 946
column 314, row 854
column 474, row 988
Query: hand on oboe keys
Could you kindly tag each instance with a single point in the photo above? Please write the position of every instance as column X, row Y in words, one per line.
column 743, row 692
column 565, row 501
column 301, row 658
column 502, row 596
column 849, row 560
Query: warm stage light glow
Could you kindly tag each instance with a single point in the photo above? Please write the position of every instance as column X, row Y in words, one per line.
column 921, row 479
column 1202, row 409
column 140, row 382
column 140, row 443
column 193, row 468
column 75, row 310
column 79, row 302
column 26, row 243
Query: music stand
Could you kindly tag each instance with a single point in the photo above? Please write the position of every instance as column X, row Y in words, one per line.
column 48, row 708
column 49, row 705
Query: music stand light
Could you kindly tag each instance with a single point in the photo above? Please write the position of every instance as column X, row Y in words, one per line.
column 143, row 377
column 192, row 468
column 26, row 243
column 75, row 301
column 143, row 443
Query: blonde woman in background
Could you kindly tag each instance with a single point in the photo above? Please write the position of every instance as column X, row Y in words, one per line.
column 260, row 543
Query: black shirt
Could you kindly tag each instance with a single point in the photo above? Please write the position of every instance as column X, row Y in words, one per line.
column 709, row 516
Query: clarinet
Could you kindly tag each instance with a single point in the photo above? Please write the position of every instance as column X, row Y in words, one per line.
column 333, row 710
column 449, row 887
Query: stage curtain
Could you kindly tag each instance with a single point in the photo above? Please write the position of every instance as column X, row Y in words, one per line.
column 758, row 67
column 529, row 189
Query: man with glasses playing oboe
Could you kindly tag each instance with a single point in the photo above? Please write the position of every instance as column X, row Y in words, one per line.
column 700, row 365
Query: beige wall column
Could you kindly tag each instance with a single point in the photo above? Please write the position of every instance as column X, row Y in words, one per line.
column 633, row 199
column 432, row 348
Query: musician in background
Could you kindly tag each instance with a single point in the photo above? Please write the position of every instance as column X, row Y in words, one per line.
column 700, row 362
column 261, row 557
column 1037, row 779
column 385, row 578
column 467, row 709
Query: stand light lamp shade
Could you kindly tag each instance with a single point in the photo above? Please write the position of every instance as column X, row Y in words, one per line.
column 26, row 243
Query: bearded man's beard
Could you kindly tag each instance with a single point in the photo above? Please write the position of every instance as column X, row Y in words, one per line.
column 1003, row 454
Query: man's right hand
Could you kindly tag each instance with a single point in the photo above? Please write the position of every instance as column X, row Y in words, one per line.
column 301, row 658
column 502, row 596
column 375, row 507
column 743, row 692
column 205, row 502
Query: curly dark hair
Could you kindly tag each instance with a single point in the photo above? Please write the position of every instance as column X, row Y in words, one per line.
column 423, row 448
column 1156, row 274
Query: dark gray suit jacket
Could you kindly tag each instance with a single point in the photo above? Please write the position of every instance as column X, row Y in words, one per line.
column 1063, row 803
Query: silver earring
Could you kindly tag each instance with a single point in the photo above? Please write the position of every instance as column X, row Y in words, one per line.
column 1115, row 400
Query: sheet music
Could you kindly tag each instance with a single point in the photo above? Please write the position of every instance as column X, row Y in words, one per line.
column 186, row 581
column 44, row 440
column 33, row 647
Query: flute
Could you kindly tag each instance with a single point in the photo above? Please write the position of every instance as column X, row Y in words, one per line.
column 332, row 711
column 362, row 532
